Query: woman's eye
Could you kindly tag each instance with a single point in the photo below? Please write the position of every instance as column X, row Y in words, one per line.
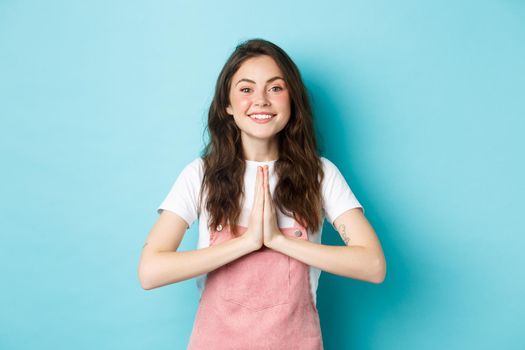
column 273, row 88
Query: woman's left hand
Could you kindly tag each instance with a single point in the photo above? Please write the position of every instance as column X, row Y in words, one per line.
column 270, row 227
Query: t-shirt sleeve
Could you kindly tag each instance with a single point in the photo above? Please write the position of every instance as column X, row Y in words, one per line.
column 183, row 197
column 337, row 194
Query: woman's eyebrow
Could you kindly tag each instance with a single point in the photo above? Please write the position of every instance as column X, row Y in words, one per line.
column 251, row 81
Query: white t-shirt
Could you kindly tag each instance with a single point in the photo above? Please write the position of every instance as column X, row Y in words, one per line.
column 183, row 198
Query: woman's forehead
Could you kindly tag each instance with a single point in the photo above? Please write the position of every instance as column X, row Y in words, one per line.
column 261, row 69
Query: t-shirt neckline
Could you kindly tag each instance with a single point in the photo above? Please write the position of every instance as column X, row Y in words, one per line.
column 254, row 162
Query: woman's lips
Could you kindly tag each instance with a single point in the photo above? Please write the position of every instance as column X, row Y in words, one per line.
column 262, row 121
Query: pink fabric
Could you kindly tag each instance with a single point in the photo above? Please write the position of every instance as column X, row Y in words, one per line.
column 260, row 301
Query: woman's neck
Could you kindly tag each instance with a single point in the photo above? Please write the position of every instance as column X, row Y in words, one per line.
column 261, row 150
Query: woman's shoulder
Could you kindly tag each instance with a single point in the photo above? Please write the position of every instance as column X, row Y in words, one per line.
column 196, row 163
column 193, row 168
column 328, row 165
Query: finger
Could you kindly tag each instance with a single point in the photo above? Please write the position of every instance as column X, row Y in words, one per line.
column 259, row 199
column 257, row 186
column 266, row 188
column 265, row 178
column 266, row 181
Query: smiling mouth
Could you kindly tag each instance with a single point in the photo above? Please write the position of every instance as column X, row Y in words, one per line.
column 262, row 116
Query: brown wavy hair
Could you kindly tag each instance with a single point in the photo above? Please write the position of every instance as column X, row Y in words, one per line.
column 298, row 190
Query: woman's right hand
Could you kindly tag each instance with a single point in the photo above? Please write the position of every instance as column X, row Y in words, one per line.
column 255, row 234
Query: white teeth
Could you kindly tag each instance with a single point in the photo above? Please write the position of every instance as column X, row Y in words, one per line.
column 261, row 116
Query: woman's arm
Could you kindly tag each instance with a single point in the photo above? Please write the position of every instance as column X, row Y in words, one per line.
column 362, row 258
column 160, row 263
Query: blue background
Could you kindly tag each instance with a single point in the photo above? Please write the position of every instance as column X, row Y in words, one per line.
column 420, row 105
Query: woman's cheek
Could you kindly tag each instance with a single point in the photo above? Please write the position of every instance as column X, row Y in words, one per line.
column 282, row 98
column 244, row 102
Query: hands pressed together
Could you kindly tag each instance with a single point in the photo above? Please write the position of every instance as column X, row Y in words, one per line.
column 262, row 225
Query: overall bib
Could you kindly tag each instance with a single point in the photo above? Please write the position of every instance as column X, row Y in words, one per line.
column 261, row 300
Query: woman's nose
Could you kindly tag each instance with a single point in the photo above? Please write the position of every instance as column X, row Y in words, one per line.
column 260, row 99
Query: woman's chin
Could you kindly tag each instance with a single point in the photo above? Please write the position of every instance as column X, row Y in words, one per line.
column 260, row 135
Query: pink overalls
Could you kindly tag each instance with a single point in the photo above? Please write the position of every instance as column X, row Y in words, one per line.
column 260, row 301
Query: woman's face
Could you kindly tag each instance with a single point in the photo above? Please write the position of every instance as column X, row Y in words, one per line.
column 258, row 87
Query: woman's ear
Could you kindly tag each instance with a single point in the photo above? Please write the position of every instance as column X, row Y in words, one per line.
column 229, row 110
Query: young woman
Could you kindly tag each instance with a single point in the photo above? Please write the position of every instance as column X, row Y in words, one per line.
column 260, row 191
